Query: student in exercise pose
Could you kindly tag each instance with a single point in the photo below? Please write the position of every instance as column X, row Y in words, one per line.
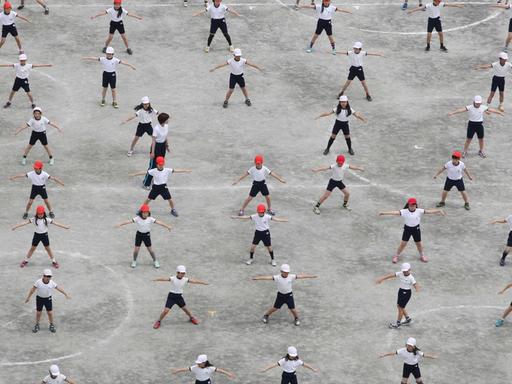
column 509, row 34
column 412, row 218
column 508, row 246
column 203, row 370
column 262, row 222
column 159, row 146
column 289, row 365
column 508, row 310
column 55, row 377
column 500, row 70
column 40, row 2
column 8, row 19
column 405, row 4
column 145, row 114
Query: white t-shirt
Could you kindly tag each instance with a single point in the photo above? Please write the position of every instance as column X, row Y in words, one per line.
column 38, row 179
column 259, row 174
column 509, row 221
column 454, row 172
column 113, row 14
column 60, row 379
column 160, row 177
column 22, row 71
column 406, row 282
column 509, row 10
column 8, row 19
column 501, row 70
column 38, row 125
column 145, row 116
column 409, row 357
column 262, row 223
column 338, row 172
column 144, row 225
column 109, row 65
column 160, row 133
column 476, row 114
column 40, row 226
column 342, row 116
column 217, row 12
column 327, row 13
column 202, row 374
column 237, row 67
column 284, row 285
column 412, row 219
column 178, row 284
column 290, row 366
column 44, row 290
column 434, row 11
column 356, row 59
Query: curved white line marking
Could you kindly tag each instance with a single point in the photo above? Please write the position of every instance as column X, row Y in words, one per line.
column 18, row 363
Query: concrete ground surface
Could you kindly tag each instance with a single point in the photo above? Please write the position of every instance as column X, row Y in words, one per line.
column 104, row 332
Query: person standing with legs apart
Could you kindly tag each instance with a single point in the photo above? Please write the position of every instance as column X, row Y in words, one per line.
column 109, row 64
column 355, row 58
column 38, row 125
column 475, row 125
column 454, row 169
column 8, row 17
column 508, row 246
column 284, row 291
column 500, row 70
column 237, row 64
column 342, row 111
column 411, row 355
column 41, row 223
column 175, row 295
column 145, row 113
column 38, row 177
column 116, row 14
column 405, row 4
column 144, row 223
column 324, row 12
column 55, row 377
column 434, row 20
column 261, row 221
column 336, row 181
column 289, row 365
column 259, row 173
column 203, row 370
column 40, row 2
column 159, row 146
column 22, row 70
column 509, row 34
column 217, row 12
column 412, row 218
column 507, row 312
column 407, row 281
column 44, row 288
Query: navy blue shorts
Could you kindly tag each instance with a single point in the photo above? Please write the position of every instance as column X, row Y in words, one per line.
column 449, row 184
column 116, row 26
column 43, row 302
column 323, row 25
column 282, row 299
column 259, row 186
column 404, row 295
column 236, row 79
column 174, row 298
column 354, row 72
column 38, row 190
column 109, row 79
column 143, row 128
column 411, row 231
column 262, row 236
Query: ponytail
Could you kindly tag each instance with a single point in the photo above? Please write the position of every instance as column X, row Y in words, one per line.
column 140, row 106
column 348, row 109
column 416, row 350
column 44, row 218
column 119, row 11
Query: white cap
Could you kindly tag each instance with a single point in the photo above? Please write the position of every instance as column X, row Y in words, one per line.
column 47, row 272
column 181, row 269
column 201, row 359
column 292, row 351
column 110, row 50
column 237, row 52
column 405, row 267
column 22, row 57
column 343, row 98
column 145, row 100
column 37, row 109
column 478, row 99
column 503, row 55
column 54, row 370
column 358, row 45
column 411, row 341
column 285, row 268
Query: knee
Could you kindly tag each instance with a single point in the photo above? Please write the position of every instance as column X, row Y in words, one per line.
column 333, row 136
column 166, row 310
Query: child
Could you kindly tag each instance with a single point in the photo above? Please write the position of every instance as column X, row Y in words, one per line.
column 40, row 2
column 159, row 146
column 145, row 113
column 289, row 365
column 501, row 320
column 454, row 169
column 55, row 377
column 203, row 369
column 500, row 71
column 8, row 17
column 508, row 246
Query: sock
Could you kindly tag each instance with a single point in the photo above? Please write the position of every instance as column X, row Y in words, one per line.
column 252, row 255
column 210, row 39
column 428, row 45
column 333, row 45
column 345, row 202
column 349, row 143
column 228, row 38
column 51, row 157
column 24, row 156
column 329, row 143
column 153, row 256
column 504, row 255
column 311, row 45
column 317, row 205
column 271, row 254
column 135, row 254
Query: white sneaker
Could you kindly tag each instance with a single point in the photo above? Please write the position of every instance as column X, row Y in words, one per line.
column 23, row 161
column 52, row 161
column 273, row 262
column 249, row 262
column 134, row 264
column 129, row 153
column 316, row 210
column 231, row 48
column 156, row 264
column 185, row 3
column 207, row 49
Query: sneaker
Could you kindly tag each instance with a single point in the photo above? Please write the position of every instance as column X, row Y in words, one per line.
column 309, row 50
column 231, row 48
column 207, row 49
column 440, row 204
column 114, row 104
column 241, row 212
column 174, row 212
column 7, row 105
column 52, row 328
column 133, row 264
column 129, row 153
column 129, row 51
column 51, row 214
column 464, row 154
column 504, row 49
column 501, row 108
column 264, row 319
column 467, row 207
column 502, row 262
column 22, row 6
column 482, row 154
column 499, row 322
column 345, row 206
column 333, row 51
column 326, row 151
column 316, row 210
column 296, row 7
column 47, row 11
column 146, row 187
column 407, row 321
column 102, row 103
column 443, row 48
column 185, row 3
column 23, row 264
column 369, row 98
column 424, row 259
column 427, row 48
column 225, row 104
column 36, row 328
column 394, row 325
column 23, row 161
column 156, row 325
column 104, row 50
column 271, row 212
column 156, row 264
column 404, row 6
column 194, row 321
column 33, row 105
column 55, row 265
column 273, row 262
column 351, row 152
column 25, row 216
column 248, row 102
column 52, row 161
column 249, row 262
column 395, row 259
column 296, row 322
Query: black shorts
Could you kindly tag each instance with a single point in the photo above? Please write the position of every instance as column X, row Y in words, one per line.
column 354, row 72
column 216, row 24
column 38, row 190
column 284, row 299
column 116, row 26
column 21, row 83
column 236, row 79
column 323, row 25
column 404, row 295
column 38, row 136
column 509, row 240
column 408, row 369
column 159, row 190
column 174, row 298
column 411, row 231
column 109, row 78
column 498, row 82
column 475, row 127
column 209, row 381
column 449, row 184
column 6, row 29
column 262, row 236
column 160, row 149
column 143, row 128
column 259, row 186
column 434, row 24
column 40, row 237
column 142, row 237
column 335, row 184
column 341, row 125
column 43, row 302
column 289, row 378
column 510, row 26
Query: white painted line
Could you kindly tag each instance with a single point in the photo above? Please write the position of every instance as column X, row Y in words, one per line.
column 18, row 363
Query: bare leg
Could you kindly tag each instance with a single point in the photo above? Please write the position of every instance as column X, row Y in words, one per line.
column 27, row 150
column 38, row 316
column 400, row 314
column 171, row 203
column 365, row 87
column 185, row 309
column 103, row 93
column 420, row 247
column 135, row 253
column 47, row 203
column 481, row 144
column 401, row 247
column 507, row 312
column 134, row 142
column 114, row 95
column 151, row 253
column 18, row 42
column 246, row 202
column 465, row 196
column 271, row 311
column 313, row 40
column 491, row 96
column 2, row 42
column 346, row 195
column 48, row 150
column 42, row 3
column 269, row 205
column 164, row 313
column 109, row 39
column 509, row 38
column 29, row 204
column 11, row 95
column 229, row 93
column 466, row 145
column 324, row 197
column 441, row 38
column 50, row 253
column 444, row 195
column 345, row 86
column 294, row 313
column 429, row 38
column 50, row 316
column 30, row 252
column 502, row 97
column 31, row 99
column 244, row 91
column 125, row 40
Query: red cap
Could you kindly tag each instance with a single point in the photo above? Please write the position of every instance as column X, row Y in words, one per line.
column 258, row 159
column 7, row 5
column 340, row 159
column 412, row 200
column 261, row 208
column 40, row 209
column 117, row 1
column 457, row 154
column 38, row 164
column 144, row 208
column 160, row 160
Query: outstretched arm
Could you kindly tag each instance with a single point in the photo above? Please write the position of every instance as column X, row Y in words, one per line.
column 306, row 276
column 279, row 219
column 123, row 223
column 254, row 66
column 42, row 65
column 127, row 64
column 496, row 111
column 55, row 126
column 312, row 6
column 503, row 6
column 20, row 225
column 230, row 10
column 427, row 356
column 90, row 58
column 23, row 18
column 504, row 289
column 199, row 282
column 219, row 66
column 441, row 170
column 457, row 111
column 389, row 213
column 375, row 54
column 18, row 176
column 182, row 171
column 321, row 169
column 277, row 177
column 226, row 372
column 356, row 168
column 360, row 117
column 416, row 9
column 241, row 178
column 162, row 279
column 499, row 221
column 434, row 212
column 63, row 292
column 384, row 278
column 57, row 180
column 483, row 66
column 241, row 217
column 257, row 278
column 275, row 364
column 103, row 13
column 179, row 370
column 60, row 225
column 387, row 354
column 6, row 65
column 454, row 5
column 325, row 114
column 199, row 13
column 129, row 14
column 338, row 9
column 162, row 224
column 137, row 173
column 310, row 367
column 25, row 126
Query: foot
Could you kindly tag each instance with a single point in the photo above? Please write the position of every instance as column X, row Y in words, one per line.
column 466, row 206
column 504, row 49
column 326, row 151
column 225, row 104
column 25, row 216
column 271, row 212
column 52, row 161
column 185, row 3
column 345, row 206
column 114, row 104
column 146, row 187
column 156, row 264
column 427, row 48
column 249, row 262
column 309, row 50
column 424, row 259
column 23, row 264
column 33, row 105
column 369, row 98
column 443, row 48
column 207, row 49
column 351, row 152
column 273, row 263
column 482, row 154
column 129, row 51
column 464, row 154
column 440, row 204
column 248, row 102
column 55, row 265
column 133, row 264
column 231, row 49
column 333, row 51
column 241, row 212
column 499, row 322
column 407, row 321
column 264, row 319
column 156, row 325
column 36, row 328
column 395, row 259
column 129, row 153
column 104, row 50
column 51, row 214
column 404, row 6
column 501, row 108
column 296, row 7
column 22, row 6
column 502, row 262
column 52, row 328
column 296, row 322
column 102, row 103
column 7, row 105
column 394, row 325
column 174, row 212
column 194, row 321
column 316, row 210
column 47, row 11
column 23, row 161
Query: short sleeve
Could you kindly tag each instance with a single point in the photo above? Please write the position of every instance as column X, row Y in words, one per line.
column 446, row 165
column 191, row 369
column 281, row 362
column 212, row 369
column 275, row 277
column 485, row 107
column 467, row 107
column 421, row 211
column 335, row 109
column 413, row 280
column 397, row 274
column 49, row 220
column 420, row 353
column 293, row 276
column 252, row 217
column 332, row 166
column 509, row 219
column 32, row 219
column 152, row 171
column 125, row 11
column 46, row 120
column 300, row 362
column 402, row 211
column 208, row 8
column 135, row 219
column 352, row 111
column 29, row 66
column 152, row 219
column 462, row 166
column 137, row 113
